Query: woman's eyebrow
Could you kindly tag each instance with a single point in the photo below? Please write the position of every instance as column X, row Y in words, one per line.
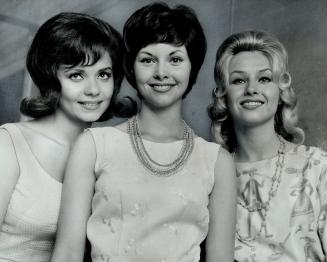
column 146, row 52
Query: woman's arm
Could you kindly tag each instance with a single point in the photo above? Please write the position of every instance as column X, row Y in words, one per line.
column 9, row 172
column 222, row 208
column 78, row 190
column 322, row 218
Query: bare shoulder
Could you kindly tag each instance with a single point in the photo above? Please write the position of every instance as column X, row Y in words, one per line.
column 224, row 164
column 122, row 126
column 224, row 156
column 84, row 141
column 82, row 157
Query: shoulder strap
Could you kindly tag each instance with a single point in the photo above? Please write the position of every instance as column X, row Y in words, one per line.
column 99, row 141
column 25, row 158
column 209, row 152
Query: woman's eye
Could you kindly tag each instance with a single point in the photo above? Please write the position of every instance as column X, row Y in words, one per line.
column 104, row 75
column 147, row 60
column 265, row 80
column 238, row 81
column 75, row 76
column 176, row 60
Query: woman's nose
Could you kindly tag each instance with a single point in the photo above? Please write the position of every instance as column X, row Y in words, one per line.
column 92, row 87
column 160, row 71
column 251, row 87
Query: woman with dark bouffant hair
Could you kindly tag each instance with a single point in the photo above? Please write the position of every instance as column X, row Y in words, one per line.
column 140, row 190
column 281, row 184
column 75, row 61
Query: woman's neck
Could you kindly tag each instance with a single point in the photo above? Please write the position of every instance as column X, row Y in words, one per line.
column 161, row 125
column 64, row 130
column 256, row 143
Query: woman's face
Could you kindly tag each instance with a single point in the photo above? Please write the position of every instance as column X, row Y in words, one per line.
column 162, row 73
column 86, row 90
column 252, row 95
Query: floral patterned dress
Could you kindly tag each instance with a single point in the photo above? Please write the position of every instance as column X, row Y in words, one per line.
column 292, row 228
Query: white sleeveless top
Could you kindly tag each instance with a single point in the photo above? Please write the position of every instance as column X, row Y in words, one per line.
column 140, row 217
column 28, row 231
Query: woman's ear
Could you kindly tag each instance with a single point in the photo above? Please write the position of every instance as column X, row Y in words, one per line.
column 285, row 81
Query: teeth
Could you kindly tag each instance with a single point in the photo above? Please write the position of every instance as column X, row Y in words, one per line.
column 90, row 105
column 161, row 87
column 252, row 103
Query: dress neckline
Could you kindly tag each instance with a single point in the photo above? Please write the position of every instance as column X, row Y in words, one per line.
column 150, row 141
column 273, row 158
column 35, row 158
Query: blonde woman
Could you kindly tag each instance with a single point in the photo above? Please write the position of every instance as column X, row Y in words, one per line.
column 281, row 184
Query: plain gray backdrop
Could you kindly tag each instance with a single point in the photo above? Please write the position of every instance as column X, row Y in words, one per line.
column 301, row 25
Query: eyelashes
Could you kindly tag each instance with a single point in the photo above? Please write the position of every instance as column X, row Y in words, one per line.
column 262, row 80
column 78, row 76
column 75, row 76
column 175, row 60
column 105, row 75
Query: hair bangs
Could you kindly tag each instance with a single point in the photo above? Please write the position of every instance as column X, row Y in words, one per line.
column 86, row 54
column 168, row 33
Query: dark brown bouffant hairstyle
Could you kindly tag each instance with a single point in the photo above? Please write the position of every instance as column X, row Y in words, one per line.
column 69, row 39
column 158, row 23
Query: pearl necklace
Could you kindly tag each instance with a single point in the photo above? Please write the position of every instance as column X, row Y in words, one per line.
column 276, row 179
column 153, row 166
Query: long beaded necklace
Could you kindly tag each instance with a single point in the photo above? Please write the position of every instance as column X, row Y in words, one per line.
column 276, row 179
column 150, row 164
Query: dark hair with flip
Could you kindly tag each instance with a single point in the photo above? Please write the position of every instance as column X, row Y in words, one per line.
column 158, row 23
column 69, row 39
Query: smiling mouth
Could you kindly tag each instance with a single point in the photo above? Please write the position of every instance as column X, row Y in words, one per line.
column 161, row 87
column 251, row 104
column 90, row 105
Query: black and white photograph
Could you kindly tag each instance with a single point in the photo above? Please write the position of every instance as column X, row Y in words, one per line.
column 163, row 131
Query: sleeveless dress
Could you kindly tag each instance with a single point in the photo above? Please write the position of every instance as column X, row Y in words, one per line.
column 140, row 217
column 294, row 227
column 28, row 231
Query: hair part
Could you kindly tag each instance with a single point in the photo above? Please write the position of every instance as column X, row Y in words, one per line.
column 286, row 117
column 69, row 39
column 158, row 23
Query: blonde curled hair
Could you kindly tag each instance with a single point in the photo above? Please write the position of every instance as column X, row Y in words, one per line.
column 286, row 117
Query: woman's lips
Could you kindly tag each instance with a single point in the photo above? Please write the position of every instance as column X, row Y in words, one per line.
column 161, row 87
column 251, row 104
column 90, row 105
